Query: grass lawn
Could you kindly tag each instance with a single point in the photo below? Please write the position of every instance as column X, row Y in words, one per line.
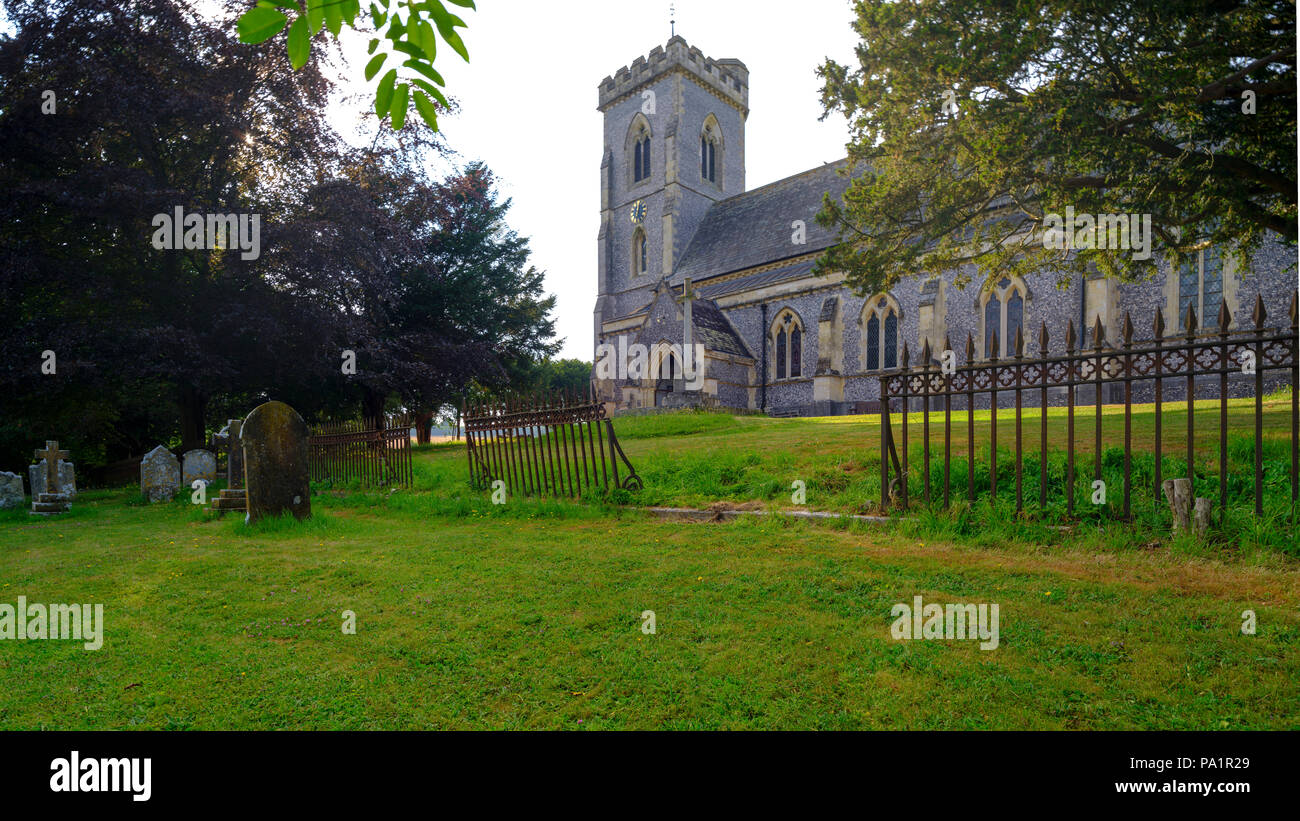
column 528, row 615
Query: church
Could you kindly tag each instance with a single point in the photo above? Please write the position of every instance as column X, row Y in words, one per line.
column 689, row 260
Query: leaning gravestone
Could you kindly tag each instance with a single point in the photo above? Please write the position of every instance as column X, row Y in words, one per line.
column 160, row 475
column 11, row 490
column 198, row 464
column 275, row 462
column 38, row 472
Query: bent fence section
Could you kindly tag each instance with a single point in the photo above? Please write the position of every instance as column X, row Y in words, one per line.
column 554, row 446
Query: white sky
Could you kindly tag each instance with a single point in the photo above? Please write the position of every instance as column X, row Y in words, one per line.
column 528, row 108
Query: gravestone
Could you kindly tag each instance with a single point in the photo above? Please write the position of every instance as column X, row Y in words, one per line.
column 11, row 490
column 51, row 497
column 198, row 464
column 67, row 483
column 275, row 462
column 160, row 475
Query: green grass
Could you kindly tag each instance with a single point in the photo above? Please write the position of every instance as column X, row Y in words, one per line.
column 527, row 615
column 750, row 458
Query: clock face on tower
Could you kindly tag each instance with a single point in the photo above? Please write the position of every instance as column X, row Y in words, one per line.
column 638, row 211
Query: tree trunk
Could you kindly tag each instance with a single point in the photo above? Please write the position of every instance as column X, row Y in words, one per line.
column 193, row 407
column 422, row 420
column 372, row 407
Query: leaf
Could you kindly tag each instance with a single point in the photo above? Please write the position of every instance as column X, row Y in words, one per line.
column 426, row 108
column 334, row 17
column 413, row 50
column 315, row 15
column 284, row 4
column 467, row 4
column 379, row 16
column 299, row 43
column 453, row 40
column 372, row 68
column 397, row 112
column 433, row 92
column 374, row 44
column 384, row 94
column 351, row 8
column 426, row 69
column 427, row 42
column 260, row 24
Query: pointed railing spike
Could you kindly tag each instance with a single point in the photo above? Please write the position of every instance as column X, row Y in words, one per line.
column 1127, row 330
column 1158, row 325
column 970, row 348
column 1042, row 338
column 1189, row 321
column 1069, row 335
column 1225, row 318
column 925, row 353
column 1020, row 342
column 1098, row 333
column 906, row 355
column 993, row 345
column 1295, row 309
column 1260, row 313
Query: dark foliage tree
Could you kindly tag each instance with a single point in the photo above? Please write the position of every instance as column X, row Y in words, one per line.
column 430, row 288
column 153, row 108
column 963, row 110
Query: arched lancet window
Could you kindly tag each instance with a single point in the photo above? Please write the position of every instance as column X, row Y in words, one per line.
column 640, row 254
column 880, row 333
column 787, row 342
column 711, row 151
column 1002, row 311
column 1200, row 287
column 638, row 146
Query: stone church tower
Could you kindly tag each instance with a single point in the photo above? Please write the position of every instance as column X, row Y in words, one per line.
column 674, row 130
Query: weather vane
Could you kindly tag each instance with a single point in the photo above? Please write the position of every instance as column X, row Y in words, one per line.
column 672, row 18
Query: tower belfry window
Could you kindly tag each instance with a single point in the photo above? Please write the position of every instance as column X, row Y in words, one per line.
column 710, row 148
column 641, row 155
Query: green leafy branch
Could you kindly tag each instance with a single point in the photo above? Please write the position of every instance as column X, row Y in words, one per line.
column 407, row 25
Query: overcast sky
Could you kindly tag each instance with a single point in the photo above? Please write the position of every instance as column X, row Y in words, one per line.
column 528, row 101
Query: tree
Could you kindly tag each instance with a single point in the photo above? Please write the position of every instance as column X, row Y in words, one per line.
column 154, row 108
column 975, row 124
column 423, row 280
column 410, row 37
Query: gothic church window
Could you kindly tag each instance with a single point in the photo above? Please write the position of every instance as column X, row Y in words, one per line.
column 640, row 256
column 639, row 147
column 880, row 333
column 787, row 342
column 710, row 150
column 1003, row 314
column 1200, row 287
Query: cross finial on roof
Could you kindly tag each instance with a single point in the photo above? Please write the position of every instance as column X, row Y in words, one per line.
column 672, row 19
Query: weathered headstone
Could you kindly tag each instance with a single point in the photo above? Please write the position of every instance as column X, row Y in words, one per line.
column 160, row 475
column 198, row 464
column 38, row 475
column 275, row 462
column 51, row 498
column 11, row 490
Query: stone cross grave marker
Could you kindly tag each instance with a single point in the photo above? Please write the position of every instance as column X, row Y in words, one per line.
column 51, row 455
column 54, row 499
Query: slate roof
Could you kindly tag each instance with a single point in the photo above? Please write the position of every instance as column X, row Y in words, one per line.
column 753, row 228
column 714, row 331
column 794, row 270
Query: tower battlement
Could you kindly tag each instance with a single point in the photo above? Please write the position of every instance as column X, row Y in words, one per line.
column 727, row 77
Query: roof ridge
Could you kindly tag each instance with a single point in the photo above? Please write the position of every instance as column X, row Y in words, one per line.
column 821, row 167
